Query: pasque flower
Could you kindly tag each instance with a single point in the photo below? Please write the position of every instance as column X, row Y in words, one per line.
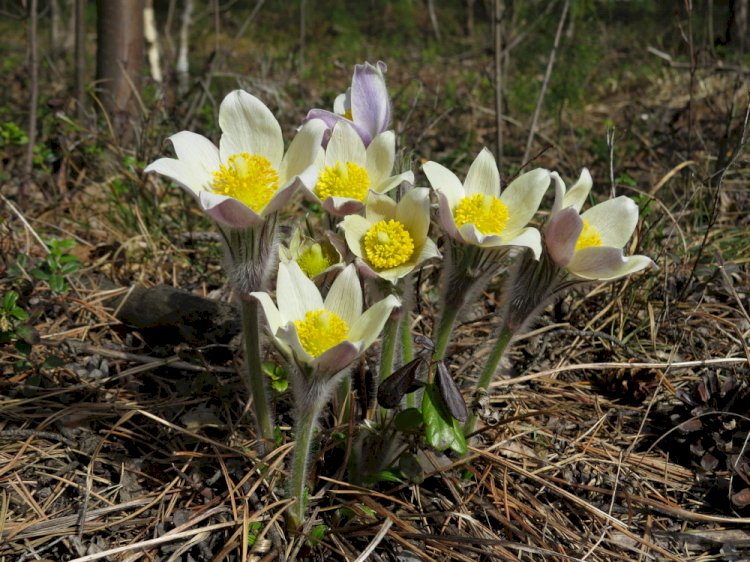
column 365, row 105
column 322, row 336
column 590, row 245
column 351, row 170
column 248, row 177
column 475, row 212
column 315, row 258
column 391, row 239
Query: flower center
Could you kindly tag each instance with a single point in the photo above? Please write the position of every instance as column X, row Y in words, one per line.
column 313, row 260
column 487, row 213
column 589, row 237
column 348, row 114
column 320, row 331
column 388, row 244
column 247, row 178
column 349, row 180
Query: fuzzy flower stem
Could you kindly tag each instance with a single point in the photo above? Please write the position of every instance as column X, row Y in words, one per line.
column 407, row 350
column 253, row 376
column 307, row 421
column 444, row 330
column 504, row 335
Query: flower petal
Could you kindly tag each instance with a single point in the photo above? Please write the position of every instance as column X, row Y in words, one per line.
column 483, row 176
column 379, row 207
column 336, row 359
column 605, row 264
column 561, row 235
column 343, row 102
column 371, row 108
column 615, row 220
column 295, row 293
column 444, row 181
column 368, row 326
column 228, row 211
column 355, row 227
column 414, row 211
column 302, row 153
column 345, row 296
column 341, row 206
column 273, row 316
column 523, row 196
column 381, row 154
column 199, row 153
column 345, row 146
column 447, row 222
column 528, row 237
column 249, row 126
column 179, row 172
column 394, row 181
column 576, row 195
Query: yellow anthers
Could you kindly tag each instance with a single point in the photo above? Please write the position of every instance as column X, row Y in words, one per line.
column 589, row 237
column 348, row 114
column 247, row 178
column 488, row 214
column 349, row 180
column 320, row 331
column 313, row 260
column 388, row 244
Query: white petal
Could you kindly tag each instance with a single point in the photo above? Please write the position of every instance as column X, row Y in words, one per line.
column 559, row 186
column 523, row 196
column 345, row 296
column 528, row 237
column 302, row 151
column 179, row 172
column 394, row 181
column 576, row 195
column 444, row 181
column 273, row 316
column 355, row 227
column 471, row 235
column 342, row 102
column 615, row 220
column 199, row 153
column 605, row 264
column 414, row 211
column 295, row 293
column 380, row 156
column 345, row 146
column 379, row 207
column 483, row 176
column 368, row 326
column 282, row 197
column 249, row 126
column 228, row 211
column 447, row 222
column 287, row 334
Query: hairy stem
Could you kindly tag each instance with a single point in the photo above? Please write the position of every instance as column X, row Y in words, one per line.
column 504, row 335
column 305, row 429
column 253, row 376
column 444, row 330
column 407, row 351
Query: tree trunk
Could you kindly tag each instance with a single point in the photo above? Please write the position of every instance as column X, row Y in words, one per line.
column 119, row 61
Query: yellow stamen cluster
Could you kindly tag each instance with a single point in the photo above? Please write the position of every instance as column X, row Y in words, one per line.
column 248, row 178
column 589, row 237
column 348, row 114
column 487, row 213
column 343, row 180
column 388, row 244
column 320, row 331
column 314, row 260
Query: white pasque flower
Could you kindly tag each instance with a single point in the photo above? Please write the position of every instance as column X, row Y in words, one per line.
column 351, row 170
column 365, row 105
column 391, row 239
column 324, row 336
column 590, row 245
column 315, row 258
column 476, row 213
column 248, row 176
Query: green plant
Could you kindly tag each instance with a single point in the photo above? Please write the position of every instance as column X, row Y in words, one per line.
column 11, row 134
column 53, row 268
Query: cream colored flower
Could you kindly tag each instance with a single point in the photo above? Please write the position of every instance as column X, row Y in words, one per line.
column 475, row 212
column 590, row 245
column 315, row 258
column 391, row 239
column 322, row 336
column 249, row 176
column 350, row 171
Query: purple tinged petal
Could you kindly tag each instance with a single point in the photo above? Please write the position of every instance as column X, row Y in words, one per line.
column 605, row 264
column 336, row 359
column 371, row 108
column 330, row 119
column 228, row 211
column 561, row 235
column 342, row 206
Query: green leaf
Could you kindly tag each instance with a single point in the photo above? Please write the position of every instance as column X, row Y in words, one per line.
column 57, row 284
column 387, row 475
column 40, row 274
column 28, row 334
column 9, row 300
column 317, row 534
column 252, row 532
column 442, row 431
column 52, row 362
column 408, row 421
column 19, row 314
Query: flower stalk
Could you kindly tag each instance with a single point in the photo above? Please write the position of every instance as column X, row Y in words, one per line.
column 306, row 424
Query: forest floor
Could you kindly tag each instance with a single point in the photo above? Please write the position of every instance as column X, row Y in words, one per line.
column 617, row 431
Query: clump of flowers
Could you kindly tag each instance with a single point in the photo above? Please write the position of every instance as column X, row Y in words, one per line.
column 350, row 274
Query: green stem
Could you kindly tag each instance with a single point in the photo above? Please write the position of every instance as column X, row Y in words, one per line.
column 306, row 423
column 407, row 351
column 445, row 327
column 504, row 335
column 253, row 376
column 387, row 350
